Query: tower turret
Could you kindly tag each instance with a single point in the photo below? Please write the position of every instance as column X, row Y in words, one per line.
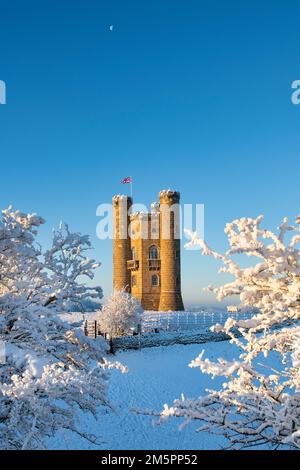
column 170, row 294
column 122, row 250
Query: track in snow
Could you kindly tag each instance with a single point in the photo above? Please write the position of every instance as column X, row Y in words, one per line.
column 156, row 376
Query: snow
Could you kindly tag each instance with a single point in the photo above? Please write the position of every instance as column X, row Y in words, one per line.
column 155, row 376
column 54, row 375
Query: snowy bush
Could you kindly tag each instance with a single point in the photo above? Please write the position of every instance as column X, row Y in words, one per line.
column 50, row 372
column 120, row 314
column 260, row 399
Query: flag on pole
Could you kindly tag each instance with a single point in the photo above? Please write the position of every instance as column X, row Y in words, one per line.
column 128, row 179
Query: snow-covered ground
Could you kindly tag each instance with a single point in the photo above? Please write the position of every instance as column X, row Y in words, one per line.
column 156, row 376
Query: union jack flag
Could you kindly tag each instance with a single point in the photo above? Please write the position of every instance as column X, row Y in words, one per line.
column 128, row 179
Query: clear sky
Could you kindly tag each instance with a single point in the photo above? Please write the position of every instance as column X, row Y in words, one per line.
column 192, row 95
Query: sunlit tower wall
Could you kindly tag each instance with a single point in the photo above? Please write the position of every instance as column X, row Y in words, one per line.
column 170, row 294
column 122, row 251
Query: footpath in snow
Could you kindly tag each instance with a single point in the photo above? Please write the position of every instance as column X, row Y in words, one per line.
column 156, row 376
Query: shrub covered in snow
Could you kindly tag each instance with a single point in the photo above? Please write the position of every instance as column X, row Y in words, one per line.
column 260, row 401
column 120, row 315
column 50, row 370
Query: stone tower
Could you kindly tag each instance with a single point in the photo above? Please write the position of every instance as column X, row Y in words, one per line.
column 169, row 224
column 147, row 261
column 122, row 206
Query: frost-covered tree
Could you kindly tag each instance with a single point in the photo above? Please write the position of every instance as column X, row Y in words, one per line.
column 51, row 371
column 55, row 277
column 259, row 402
column 68, row 266
column 120, row 314
column 21, row 271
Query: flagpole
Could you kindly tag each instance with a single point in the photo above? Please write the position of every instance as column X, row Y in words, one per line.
column 131, row 187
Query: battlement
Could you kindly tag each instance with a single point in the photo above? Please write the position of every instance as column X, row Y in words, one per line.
column 140, row 215
column 168, row 196
column 118, row 198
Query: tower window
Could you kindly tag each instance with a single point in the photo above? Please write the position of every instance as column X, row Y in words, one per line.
column 177, row 254
column 154, row 280
column 153, row 252
column 133, row 281
column 133, row 253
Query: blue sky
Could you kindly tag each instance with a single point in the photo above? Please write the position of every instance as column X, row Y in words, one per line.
column 191, row 95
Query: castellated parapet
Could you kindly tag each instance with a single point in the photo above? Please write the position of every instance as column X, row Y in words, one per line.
column 147, row 251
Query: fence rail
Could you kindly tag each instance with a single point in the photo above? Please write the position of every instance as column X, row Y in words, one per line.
column 176, row 321
column 90, row 328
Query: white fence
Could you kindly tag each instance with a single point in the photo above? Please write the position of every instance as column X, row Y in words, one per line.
column 176, row 321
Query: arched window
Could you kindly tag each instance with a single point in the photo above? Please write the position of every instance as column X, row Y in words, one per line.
column 133, row 281
column 133, row 253
column 154, row 280
column 153, row 252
